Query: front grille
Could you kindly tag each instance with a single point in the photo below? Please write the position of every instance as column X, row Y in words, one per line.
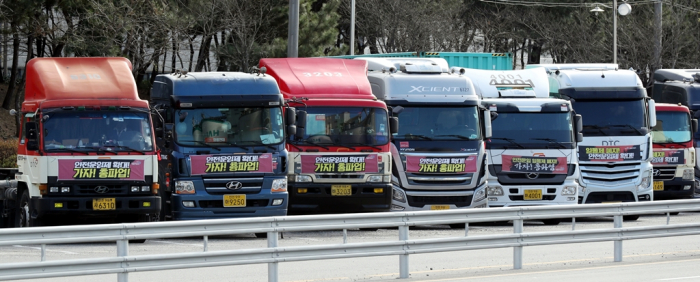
column 84, row 190
column 599, row 197
column 664, row 173
column 220, row 203
column 610, row 172
column 421, row 201
column 521, row 198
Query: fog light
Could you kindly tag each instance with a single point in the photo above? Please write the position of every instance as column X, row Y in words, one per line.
column 65, row 189
column 493, row 199
column 396, row 208
column 53, row 189
column 686, row 187
column 302, row 190
column 398, row 195
column 571, row 199
column 481, row 206
column 277, row 202
column 146, row 204
column 378, row 190
column 134, row 188
column 145, row 188
column 57, row 205
column 568, row 190
column 188, row 204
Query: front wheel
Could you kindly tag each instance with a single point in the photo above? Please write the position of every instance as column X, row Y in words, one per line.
column 23, row 215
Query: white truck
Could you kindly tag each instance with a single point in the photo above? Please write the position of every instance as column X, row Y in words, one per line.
column 532, row 153
column 616, row 152
column 438, row 152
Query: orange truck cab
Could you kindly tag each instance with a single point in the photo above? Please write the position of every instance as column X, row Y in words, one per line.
column 674, row 154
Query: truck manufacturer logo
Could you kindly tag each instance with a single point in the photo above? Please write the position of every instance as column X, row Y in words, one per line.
column 234, row 185
column 34, row 163
column 657, row 172
column 532, row 175
column 610, row 143
column 101, row 189
column 421, row 89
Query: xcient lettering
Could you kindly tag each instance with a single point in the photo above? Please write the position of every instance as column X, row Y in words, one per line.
column 421, row 89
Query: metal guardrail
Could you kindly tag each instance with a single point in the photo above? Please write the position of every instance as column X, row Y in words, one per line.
column 123, row 264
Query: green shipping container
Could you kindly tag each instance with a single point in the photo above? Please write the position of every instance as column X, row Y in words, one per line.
column 484, row 61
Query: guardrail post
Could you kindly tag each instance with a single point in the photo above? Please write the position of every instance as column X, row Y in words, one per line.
column 618, row 242
column 206, row 243
column 403, row 259
column 345, row 236
column 466, row 229
column 122, row 251
column 518, row 251
column 43, row 252
column 272, row 267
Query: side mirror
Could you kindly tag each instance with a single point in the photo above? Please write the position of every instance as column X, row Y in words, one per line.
column 168, row 134
column 291, row 130
column 578, row 120
column 301, row 119
column 159, row 132
column 579, row 137
column 694, row 123
column 652, row 113
column 290, row 116
column 488, row 116
column 393, row 125
column 299, row 134
column 396, row 110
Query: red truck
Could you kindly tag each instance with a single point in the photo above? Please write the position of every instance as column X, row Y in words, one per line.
column 339, row 158
column 86, row 146
column 674, row 154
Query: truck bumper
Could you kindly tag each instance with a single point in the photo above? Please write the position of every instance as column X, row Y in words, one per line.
column 420, row 201
column 675, row 189
column 208, row 206
column 513, row 195
column 83, row 206
column 318, row 198
column 623, row 193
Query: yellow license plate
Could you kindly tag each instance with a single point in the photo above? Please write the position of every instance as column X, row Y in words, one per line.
column 234, row 201
column 532, row 194
column 341, row 190
column 104, row 204
column 658, row 185
column 440, row 207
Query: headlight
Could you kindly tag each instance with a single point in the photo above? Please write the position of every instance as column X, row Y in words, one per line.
column 374, row 178
column 646, row 181
column 303, row 178
column 65, row 189
column 569, row 190
column 134, row 188
column 479, row 195
column 184, row 187
column 398, row 195
column 53, row 189
column 495, row 191
column 688, row 174
column 145, row 188
column 279, row 185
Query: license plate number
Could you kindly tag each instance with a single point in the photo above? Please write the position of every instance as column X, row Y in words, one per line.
column 104, row 204
column 234, row 201
column 532, row 194
column 341, row 190
column 440, row 207
column 658, row 185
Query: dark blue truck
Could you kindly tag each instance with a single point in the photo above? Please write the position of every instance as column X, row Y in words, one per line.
column 221, row 136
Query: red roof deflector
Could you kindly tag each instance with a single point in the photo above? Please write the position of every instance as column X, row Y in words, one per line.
column 320, row 77
column 80, row 78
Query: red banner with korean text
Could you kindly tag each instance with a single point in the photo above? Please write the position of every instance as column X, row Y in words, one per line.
column 248, row 163
column 77, row 169
column 457, row 165
column 531, row 164
column 339, row 163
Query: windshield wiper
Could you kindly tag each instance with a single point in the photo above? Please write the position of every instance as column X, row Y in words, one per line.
column 455, row 135
column 312, row 143
column 550, row 140
column 665, row 144
column 509, row 140
column 417, row 135
column 100, row 149
column 629, row 126
column 596, row 127
column 259, row 143
column 68, row 149
column 129, row 148
column 208, row 145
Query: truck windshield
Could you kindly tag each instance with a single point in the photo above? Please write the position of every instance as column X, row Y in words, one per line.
column 93, row 130
column 347, row 126
column 671, row 127
column 425, row 123
column 229, row 126
column 532, row 130
column 608, row 117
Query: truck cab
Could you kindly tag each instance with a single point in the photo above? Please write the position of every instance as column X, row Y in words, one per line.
column 222, row 141
column 674, row 154
column 532, row 153
column 616, row 152
column 438, row 154
column 682, row 86
column 339, row 159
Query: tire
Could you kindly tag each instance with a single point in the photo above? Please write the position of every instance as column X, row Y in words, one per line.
column 553, row 221
column 23, row 212
column 630, row 217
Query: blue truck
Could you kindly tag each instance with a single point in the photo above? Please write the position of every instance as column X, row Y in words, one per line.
column 222, row 142
column 472, row 60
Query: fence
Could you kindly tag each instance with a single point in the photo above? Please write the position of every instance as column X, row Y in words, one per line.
column 123, row 264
